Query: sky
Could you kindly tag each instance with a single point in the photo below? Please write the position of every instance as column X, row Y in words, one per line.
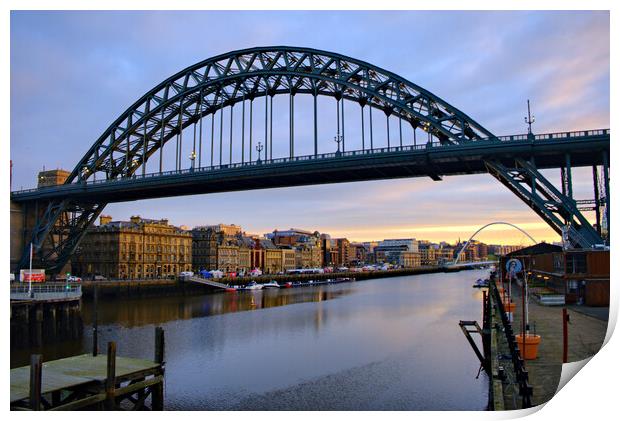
column 73, row 73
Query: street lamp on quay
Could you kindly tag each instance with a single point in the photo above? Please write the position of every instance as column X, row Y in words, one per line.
column 259, row 149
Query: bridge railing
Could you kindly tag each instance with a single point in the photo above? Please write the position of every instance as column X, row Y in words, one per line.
column 360, row 152
column 557, row 135
column 45, row 291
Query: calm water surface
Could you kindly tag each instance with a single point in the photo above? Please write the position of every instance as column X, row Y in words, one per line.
column 383, row 344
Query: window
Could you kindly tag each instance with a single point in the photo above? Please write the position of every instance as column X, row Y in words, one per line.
column 572, row 287
column 576, row 263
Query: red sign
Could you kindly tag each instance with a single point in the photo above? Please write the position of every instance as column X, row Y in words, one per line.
column 37, row 275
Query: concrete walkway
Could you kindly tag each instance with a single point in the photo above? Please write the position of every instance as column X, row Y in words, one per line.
column 586, row 334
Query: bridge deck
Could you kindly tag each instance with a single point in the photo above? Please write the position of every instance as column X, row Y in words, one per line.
column 379, row 163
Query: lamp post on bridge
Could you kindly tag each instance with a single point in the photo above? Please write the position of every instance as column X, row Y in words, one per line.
column 259, row 149
column 338, row 139
column 192, row 157
column 529, row 120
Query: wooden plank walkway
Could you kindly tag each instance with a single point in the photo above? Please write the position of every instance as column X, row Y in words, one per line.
column 91, row 381
column 74, row 372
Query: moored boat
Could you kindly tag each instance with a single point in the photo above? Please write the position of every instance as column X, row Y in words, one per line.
column 481, row 283
column 253, row 286
column 271, row 284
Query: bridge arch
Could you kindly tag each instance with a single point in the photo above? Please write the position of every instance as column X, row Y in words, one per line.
column 456, row 259
column 245, row 75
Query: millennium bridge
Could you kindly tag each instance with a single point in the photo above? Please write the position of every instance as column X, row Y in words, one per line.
column 141, row 154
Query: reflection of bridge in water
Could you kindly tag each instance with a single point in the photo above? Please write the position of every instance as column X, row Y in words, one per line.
column 424, row 136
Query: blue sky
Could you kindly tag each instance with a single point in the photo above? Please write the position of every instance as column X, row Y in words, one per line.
column 72, row 73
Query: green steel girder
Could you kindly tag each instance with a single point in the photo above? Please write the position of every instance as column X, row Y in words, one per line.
column 57, row 233
column 222, row 81
column 555, row 208
column 227, row 79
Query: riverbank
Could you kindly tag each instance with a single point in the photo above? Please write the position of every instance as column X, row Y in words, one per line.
column 139, row 287
column 585, row 337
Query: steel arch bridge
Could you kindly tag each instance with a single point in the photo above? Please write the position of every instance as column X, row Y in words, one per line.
column 115, row 166
column 456, row 259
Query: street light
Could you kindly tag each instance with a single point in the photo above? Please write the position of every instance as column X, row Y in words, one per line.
column 338, row 139
column 192, row 157
column 529, row 120
column 259, row 149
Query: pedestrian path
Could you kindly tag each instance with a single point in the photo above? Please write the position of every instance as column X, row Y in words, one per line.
column 585, row 337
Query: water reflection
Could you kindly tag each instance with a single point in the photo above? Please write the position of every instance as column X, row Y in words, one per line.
column 135, row 312
column 379, row 344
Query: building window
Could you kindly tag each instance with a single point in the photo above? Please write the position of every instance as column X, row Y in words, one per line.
column 576, row 263
column 558, row 262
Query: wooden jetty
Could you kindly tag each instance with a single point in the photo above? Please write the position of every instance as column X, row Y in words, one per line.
column 91, row 381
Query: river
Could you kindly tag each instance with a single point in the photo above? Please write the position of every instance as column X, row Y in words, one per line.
column 381, row 344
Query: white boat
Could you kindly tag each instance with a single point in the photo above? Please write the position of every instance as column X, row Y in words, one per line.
column 253, row 285
column 271, row 284
column 481, row 283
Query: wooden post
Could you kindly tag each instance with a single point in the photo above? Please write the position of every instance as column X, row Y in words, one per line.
column 523, row 327
column 38, row 324
column 110, row 383
column 159, row 345
column 95, row 330
column 484, row 307
column 157, row 396
column 35, row 382
column 565, row 335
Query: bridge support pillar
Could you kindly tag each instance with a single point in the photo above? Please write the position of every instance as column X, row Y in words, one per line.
column 17, row 232
column 597, row 199
column 569, row 177
column 533, row 183
column 606, row 184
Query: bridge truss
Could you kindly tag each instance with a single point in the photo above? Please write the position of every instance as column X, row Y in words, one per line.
column 177, row 109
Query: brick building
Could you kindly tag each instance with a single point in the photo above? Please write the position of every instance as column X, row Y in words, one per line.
column 134, row 249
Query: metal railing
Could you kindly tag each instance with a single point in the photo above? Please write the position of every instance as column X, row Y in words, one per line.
column 331, row 155
column 45, row 291
column 522, row 375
